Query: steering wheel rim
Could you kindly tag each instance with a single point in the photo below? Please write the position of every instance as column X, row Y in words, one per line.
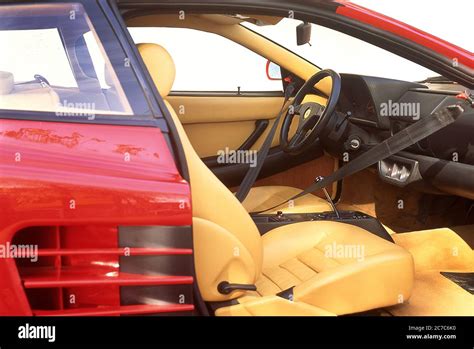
column 313, row 117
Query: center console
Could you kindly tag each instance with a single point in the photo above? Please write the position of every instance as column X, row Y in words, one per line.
column 267, row 222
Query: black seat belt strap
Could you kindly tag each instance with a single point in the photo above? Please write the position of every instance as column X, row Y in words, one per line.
column 253, row 172
column 401, row 140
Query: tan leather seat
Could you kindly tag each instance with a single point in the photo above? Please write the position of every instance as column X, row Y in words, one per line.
column 330, row 268
column 261, row 198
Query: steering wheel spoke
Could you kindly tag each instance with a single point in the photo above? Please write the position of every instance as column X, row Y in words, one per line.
column 298, row 137
column 321, row 109
column 301, row 123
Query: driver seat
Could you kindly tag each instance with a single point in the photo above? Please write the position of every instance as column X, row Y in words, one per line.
column 298, row 269
column 263, row 197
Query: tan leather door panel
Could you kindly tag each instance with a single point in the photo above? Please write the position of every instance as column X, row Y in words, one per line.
column 213, row 123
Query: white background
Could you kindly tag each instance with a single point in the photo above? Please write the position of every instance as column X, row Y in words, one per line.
column 207, row 62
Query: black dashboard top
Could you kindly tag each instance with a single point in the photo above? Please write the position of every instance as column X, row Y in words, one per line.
column 383, row 107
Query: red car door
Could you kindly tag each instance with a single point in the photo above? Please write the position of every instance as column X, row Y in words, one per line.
column 95, row 215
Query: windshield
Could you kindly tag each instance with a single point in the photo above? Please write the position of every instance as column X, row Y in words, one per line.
column 345, row 54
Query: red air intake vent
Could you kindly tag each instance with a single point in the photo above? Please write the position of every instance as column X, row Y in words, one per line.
column 88, row 270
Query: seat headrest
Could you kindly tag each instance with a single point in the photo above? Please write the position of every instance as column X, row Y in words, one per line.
column 160, row 65
column 6, row 82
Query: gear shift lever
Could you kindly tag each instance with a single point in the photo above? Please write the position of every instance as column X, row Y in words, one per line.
column 328, row 197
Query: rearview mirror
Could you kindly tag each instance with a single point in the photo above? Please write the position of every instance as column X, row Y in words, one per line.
column 273, row 71
column 303, row 33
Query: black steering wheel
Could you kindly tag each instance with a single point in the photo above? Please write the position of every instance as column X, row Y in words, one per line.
column 312, row 117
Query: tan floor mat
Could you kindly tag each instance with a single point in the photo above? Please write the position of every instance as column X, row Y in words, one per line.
column 434, row 251
column 401, row 209
column 435, row 294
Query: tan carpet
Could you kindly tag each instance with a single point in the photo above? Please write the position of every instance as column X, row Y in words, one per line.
column 434, row 251
column 436, row 295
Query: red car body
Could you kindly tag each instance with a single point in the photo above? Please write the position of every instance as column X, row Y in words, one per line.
column 61, row 162
column 377, row 20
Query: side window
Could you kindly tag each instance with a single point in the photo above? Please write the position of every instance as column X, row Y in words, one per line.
column 51, row 60
column 209, row 62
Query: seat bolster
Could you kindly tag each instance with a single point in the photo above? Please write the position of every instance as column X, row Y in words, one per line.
column 380, row 280
column 272, row 306
column 260, row 198
column 220, row 256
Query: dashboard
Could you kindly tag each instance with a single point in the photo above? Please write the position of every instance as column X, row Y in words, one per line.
column 356, row 98
column 378, row 108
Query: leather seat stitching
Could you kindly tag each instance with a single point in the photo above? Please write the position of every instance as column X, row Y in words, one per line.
column 292, row 273
column 270, row 280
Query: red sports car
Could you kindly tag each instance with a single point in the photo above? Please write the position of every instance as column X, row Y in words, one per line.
column 226, row 158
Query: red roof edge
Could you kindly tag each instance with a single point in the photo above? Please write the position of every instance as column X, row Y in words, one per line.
column 388, row 24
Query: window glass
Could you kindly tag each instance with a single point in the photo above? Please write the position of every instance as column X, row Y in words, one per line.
column 52, row 60
column 44, row 45
column 209, row 62
column 343, row 53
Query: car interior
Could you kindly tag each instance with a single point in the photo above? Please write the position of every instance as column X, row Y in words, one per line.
column 394, row 239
